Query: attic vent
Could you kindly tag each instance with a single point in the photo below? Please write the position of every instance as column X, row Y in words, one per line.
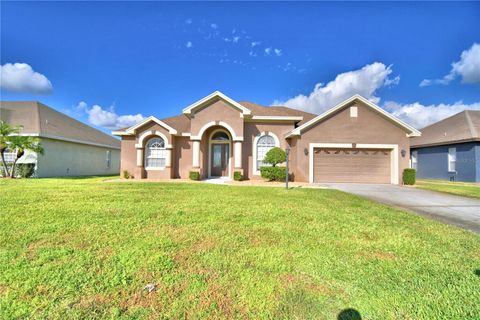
column 353, row 112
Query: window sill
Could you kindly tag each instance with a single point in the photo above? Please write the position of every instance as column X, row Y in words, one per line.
column 155, row 169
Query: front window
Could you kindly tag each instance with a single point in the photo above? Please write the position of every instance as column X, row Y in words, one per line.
column 155, row 154
column 264, row 144
column 414, row 159
column 108, row 159
column 452, row 159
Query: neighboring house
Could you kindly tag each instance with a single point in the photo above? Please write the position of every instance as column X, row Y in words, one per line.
column 71, row 147
column 355, row 141
column 449, row 149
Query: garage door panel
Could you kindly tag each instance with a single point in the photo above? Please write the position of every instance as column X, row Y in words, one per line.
column 352, row 165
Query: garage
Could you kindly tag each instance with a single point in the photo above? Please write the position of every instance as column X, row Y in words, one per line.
column 352, row 165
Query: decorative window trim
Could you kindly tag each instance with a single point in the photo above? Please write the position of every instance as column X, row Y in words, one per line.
column 229, row 142
column 414, row 160
column 256, row 170
column 159, row 157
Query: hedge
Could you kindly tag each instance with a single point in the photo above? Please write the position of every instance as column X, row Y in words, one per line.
column 409, row 176
column 273, row 173
column 194, row 175
column 237, row 176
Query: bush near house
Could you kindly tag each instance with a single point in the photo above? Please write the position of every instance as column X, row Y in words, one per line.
column 126, row 174
column 275, row 156
column 25, row 170
column 194, row 175
column 409, row 176
column 237, row 176
column 273, row 173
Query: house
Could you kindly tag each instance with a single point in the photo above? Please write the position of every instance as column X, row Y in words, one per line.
column 71, row 147
column 355, row 141
column 449, row 149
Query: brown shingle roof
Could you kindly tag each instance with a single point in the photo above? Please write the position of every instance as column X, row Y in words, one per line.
column 181, row 123
column 259, row 110
column 39, row 119
column 461, row 127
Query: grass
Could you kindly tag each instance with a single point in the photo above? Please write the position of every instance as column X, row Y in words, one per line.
column 465, row 189
column 84, row 248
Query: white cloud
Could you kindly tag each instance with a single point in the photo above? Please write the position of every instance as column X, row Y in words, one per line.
column 235, row 39
column 20, row 77
column 252, row 54
column 278, row 52
column 419, row 115
column 108, row 118
column 188, row 21
column 468, row 68
column 227, row 39
column 268, row 51
column 214, row 26
column 365, row 81
column 255, row 43
column 189, row 44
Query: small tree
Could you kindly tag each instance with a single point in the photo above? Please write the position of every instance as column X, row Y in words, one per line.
column 6, row 131
column 275, row 156
column 21, row 144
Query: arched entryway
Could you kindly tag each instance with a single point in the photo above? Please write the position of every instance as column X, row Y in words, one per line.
column 219, row 153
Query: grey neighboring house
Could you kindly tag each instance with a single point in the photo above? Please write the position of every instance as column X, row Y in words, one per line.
column 449, row 149
column 72, row 148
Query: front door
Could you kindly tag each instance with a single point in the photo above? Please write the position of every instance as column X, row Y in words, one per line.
column 219, row 160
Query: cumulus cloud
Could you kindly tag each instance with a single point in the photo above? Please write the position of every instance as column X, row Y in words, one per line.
column 278, row 52
column 419, row 115
column 20, row 77
column 268, row 51
column 255, row 43
column 108, row 118
column 189, row 44
column 365, row 81
column 468, row 68
column 214, row 26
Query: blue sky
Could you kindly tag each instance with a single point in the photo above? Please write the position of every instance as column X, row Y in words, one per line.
column 107, row 63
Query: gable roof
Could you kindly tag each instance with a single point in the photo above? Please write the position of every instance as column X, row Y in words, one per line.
column 40, row 120
column 411, row 131
column 215, row 95
column 131, row 130
column 259, row 111
column 461, row 127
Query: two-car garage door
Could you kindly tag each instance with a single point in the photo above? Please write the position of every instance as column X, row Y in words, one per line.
column 352, row 165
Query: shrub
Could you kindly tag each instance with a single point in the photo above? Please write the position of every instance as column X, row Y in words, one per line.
column 25, row 170
column 237, row 176
column 409, row 176
column 194, row 175
column 275, row 156
column 273, row 173
column 126, row 174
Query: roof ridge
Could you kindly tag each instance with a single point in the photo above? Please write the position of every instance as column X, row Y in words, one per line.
column 473, row 130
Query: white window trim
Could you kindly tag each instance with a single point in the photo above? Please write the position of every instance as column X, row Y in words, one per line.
column 146, row 151
column 452, row 157
column 393, row 156
column 414, row 159
column 256, row 171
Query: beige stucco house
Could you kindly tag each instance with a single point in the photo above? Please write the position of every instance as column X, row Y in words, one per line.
column 72, row 148
column 355, row 141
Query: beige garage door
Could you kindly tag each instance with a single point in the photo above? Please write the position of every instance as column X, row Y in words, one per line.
column 351, row 165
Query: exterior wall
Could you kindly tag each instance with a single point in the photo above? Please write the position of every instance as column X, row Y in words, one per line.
column 182, row 157
column 63, row 158
column 217, row 111
column 432, row 162
column 368, row 128
column 252, row 130
column 128, row 155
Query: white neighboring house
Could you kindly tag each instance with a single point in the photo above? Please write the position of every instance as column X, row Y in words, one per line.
column 71, row 147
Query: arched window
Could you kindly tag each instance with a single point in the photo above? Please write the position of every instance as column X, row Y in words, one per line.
column 264, row 144
column 220, row 135
column 155, row 154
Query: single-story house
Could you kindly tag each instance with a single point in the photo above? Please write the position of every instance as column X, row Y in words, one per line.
column 449, row 149
column 355, row 141
column 71, row 147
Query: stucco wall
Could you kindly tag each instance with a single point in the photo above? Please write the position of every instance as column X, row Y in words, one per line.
column 252, row 130
column 217, row 111
column 182, row 157
column 432, row 162
column 368, row 128
column 63, row 158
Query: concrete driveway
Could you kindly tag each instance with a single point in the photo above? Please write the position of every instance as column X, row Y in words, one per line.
column 459, row 211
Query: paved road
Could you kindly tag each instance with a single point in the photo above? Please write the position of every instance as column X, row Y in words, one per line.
column 459, row 211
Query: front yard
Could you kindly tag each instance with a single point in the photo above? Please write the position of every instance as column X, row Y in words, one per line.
column 84, row 248
column 465, row 189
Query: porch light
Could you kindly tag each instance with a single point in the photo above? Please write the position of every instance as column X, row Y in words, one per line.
column 305, row 151
column 403, row 153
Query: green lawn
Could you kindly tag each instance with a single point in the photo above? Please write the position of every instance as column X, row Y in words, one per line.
column 457, row 188
column 84, row 248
